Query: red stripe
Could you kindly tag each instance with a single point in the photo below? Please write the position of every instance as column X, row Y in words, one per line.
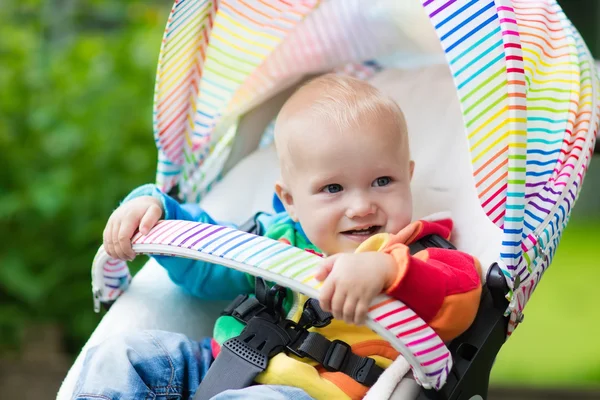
column 411, row 331
column 404, row 321
column 387, row 314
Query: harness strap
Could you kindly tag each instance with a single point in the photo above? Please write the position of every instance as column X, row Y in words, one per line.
column 337, row 356
column 268, row 333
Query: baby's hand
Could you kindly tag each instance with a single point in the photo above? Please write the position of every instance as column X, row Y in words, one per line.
column 352, row 281
column 142, row 212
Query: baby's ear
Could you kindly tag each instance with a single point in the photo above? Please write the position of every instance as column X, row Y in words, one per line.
column 286, row 198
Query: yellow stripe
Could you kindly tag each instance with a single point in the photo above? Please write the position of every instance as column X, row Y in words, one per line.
column 176, row 78
column 539, row 72
column 227, row 42
column 176, row 65
column 491, row 146
column 486, row 123
column 496, row 129
column 241, row 26
column 243, row 39
column 545, row 64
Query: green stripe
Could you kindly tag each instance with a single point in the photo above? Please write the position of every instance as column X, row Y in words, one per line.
column 240, row 60
column 517, row 169
column 517, row 181
column 482, row 84
column 554, row 110
column 499, row 86
column 517, row 157
column 488, row 108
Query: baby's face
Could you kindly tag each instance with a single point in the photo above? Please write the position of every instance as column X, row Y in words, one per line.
column 344, row 187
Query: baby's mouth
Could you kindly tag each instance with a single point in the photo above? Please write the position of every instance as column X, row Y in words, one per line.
column 360, row 235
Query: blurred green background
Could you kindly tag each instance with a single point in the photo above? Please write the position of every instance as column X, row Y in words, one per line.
column 76, row 84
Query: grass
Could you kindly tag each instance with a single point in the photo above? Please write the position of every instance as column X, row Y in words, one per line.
column 558, row 343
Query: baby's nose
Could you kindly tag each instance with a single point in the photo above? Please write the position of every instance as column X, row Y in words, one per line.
column 361, row 207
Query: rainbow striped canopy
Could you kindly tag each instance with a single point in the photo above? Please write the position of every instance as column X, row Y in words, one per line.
column 525, row 80
column 528, row 91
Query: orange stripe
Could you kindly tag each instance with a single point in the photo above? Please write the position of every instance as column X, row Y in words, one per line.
column 233, row 10
column 516, row 82
column 504, row 150
column 523, row 95
column 383, row 303
column 492, row 172
column 493, row 184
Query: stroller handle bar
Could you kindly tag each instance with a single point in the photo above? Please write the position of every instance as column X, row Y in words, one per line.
column 289, row 266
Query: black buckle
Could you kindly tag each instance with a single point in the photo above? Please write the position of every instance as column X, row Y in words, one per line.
column 362, row 375
column 314, row 316
column 336, row 356
column 297, row 337
column 265, row 336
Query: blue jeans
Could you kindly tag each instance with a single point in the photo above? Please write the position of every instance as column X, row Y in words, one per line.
column 159, row 365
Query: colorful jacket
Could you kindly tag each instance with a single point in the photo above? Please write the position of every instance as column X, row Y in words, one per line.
column 442, row 286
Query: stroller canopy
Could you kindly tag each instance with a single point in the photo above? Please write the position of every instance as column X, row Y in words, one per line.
column 526, row 84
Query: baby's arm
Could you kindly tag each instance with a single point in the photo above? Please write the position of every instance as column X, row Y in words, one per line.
column 442, row 286
column 142, row 209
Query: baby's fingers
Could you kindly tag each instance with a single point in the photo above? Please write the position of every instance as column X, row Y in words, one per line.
column 123, row 240
column 325, row 268
column 326, row 294
column 150, row 218
column 349, row 309
column 360, row 316
column 107, row 239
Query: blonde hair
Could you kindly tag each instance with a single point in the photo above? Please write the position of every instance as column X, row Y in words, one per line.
column 343, row 100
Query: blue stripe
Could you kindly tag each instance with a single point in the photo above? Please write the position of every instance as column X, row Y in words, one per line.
column 545, row 130
column 477, row 44
column 284, row 249
column 528, row 226
column 513, row 219
column 515, row 194
column 173, row 28
column 202, row 124
column 509, row 243
column 214, row 240
column 545, row 141
column 227, row 242
column 540, row 163
column 468, row 35
column 466, row 21
column 438, row 26
column 260, row 251
column 515, row 231
column 179, row 13
column 533, row 216
column 485, row 67
column 479, row 57
column 507, row 255
column 546, row 153
column 241, row 243
column 169, row 173
column 211, row 82
column 550, row 120
column 514, row 206
column 532, row 173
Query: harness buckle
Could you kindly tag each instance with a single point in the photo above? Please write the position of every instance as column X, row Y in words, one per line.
column 336, row 356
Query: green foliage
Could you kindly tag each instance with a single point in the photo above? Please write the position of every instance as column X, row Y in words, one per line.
column 77, row 82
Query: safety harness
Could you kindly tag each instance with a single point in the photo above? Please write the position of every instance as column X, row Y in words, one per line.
column 267, row 333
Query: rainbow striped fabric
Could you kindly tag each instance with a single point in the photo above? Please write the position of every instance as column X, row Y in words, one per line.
column 290, row 266
column 526, row 82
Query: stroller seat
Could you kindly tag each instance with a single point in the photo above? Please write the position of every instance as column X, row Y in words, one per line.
column 519, row 84
column 442, row 183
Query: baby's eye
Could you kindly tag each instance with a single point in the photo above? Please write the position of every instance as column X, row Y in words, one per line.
column 332, row 188
column 382, row 181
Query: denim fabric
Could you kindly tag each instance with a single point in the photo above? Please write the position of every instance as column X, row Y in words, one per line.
column 158, row 365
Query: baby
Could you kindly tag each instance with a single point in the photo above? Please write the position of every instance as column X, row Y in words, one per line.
column 345, row 185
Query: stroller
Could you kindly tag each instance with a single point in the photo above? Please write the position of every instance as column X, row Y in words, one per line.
column 513, row 76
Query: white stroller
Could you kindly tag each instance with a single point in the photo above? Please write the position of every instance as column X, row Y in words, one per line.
column 512, row 77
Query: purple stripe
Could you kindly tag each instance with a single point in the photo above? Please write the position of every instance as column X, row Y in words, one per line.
column 428, row 2
column 205, row 227
column 182, row 233
column 536, row 194
column 214, row 240
column 442, row 8
column 207, row 235
column 535, row 184
column 227, row 242
column 540, row 208
column 439, row 371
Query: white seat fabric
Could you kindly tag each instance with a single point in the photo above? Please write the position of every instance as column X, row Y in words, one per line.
column 442, row 182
